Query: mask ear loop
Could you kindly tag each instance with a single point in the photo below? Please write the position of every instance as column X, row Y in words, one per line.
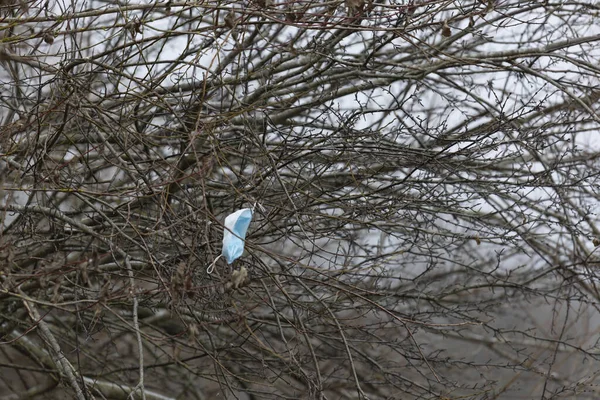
column 260, row 207
column 211, row 267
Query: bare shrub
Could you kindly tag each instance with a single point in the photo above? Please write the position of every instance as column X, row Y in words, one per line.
column 425, row 180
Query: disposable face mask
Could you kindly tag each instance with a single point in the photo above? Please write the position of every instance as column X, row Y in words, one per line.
column 234, row 236
column 236, row 225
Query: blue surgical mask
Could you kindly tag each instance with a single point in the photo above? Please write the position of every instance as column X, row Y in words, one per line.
column 236, row 225
column 234, row 236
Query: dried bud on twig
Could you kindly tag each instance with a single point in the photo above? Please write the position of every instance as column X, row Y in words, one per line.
column 48, row 38
column 264, row 3
column 231, row 23
column 230, row 20
column 355, row 7
column 134, row 27
column 446, row 31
